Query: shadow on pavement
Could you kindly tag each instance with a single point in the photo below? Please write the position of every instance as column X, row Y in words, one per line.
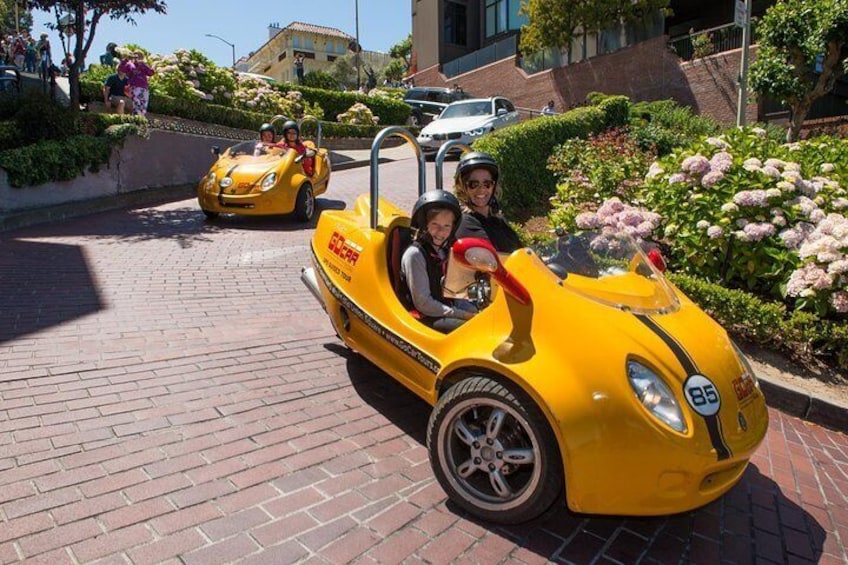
column 43, row 285
column 753, row 521
column 184, row 224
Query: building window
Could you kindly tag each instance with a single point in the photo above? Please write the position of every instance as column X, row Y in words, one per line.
column 307, row 43
column 496, row 17
column 331, row 58
column 456, row 23
column 296, row 41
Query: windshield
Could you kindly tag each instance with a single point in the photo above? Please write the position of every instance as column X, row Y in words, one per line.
column 467, row 109
column 610, row 268
column 255, row 148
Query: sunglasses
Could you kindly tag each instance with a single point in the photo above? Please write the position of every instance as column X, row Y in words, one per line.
column 473, row 184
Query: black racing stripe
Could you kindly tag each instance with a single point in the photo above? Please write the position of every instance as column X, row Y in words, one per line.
column 712, row 422
column 676, row 348
column 716, row 437
column 398, row 342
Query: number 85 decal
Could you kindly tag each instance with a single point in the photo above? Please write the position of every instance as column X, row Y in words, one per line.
column 702, row 395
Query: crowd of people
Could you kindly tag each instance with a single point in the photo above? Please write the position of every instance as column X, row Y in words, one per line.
column 26, row 53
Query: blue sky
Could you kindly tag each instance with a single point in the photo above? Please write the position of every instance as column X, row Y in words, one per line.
column 382, row 23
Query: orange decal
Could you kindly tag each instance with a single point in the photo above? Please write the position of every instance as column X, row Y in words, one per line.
column 346, row 250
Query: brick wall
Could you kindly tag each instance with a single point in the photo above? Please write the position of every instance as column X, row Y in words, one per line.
column 646, row 71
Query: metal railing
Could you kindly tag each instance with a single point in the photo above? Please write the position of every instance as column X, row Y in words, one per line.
column 489, row 54
column 710, row 41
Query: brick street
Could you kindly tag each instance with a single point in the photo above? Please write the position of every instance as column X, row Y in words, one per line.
column 170, row 393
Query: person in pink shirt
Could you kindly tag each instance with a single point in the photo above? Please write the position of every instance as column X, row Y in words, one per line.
column 137, row 73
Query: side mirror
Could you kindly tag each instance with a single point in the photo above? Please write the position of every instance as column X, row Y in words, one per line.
column 216, row 151
column 479, row 255
column 501, row 112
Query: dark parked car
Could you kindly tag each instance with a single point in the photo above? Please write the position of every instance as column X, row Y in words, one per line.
column 428, row 102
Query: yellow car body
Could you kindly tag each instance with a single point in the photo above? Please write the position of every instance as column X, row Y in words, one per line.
column 256, row 179
column 566, row 346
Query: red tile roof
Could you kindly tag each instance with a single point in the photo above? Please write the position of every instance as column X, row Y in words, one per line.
column 312, row 28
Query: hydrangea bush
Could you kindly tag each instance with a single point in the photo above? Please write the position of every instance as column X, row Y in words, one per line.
column 747, row 212
column 358, row 114
column 189, row 75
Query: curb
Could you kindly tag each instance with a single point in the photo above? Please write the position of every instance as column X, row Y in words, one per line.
column 808, row 407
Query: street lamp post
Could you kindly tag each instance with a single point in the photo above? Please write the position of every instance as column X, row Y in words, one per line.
column 358, row 48
column 232, row 45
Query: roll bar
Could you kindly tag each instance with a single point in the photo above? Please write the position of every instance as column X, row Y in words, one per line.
column 385, row 133
column 440, row 158
column 309, row 118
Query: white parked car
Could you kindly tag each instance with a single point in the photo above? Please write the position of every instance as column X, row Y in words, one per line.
column 466, row 120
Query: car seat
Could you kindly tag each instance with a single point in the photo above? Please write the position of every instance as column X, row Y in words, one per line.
column 399, row 239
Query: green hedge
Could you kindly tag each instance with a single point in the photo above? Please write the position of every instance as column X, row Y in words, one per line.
column 52, row 160
column 334, row 102
column 523, row 150
column 801, row 334
column 232, row 117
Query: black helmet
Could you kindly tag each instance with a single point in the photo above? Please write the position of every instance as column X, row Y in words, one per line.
column 291, row 124
column 434, row 199
column 267, row 127
column 467, row 163
column 475, row 160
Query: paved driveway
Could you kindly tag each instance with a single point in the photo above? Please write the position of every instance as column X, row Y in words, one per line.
column 170, row 393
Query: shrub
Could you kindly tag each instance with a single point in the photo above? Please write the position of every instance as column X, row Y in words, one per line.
column 334, row 103
column 522, row 150
column 9, row 136
column 588, row 171
column 53, row 160
column 358, row 114
column 320, row 79
column 663, row 125
column 39, row 118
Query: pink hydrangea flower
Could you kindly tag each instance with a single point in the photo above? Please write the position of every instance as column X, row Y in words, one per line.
column 711, row 178
column 715, row 232
column 839, row 301
column 696, row 165
column 721, row 161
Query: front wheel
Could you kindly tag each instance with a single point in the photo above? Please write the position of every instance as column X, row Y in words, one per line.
column 304, row 206
column 493, row 453
column 210, row 215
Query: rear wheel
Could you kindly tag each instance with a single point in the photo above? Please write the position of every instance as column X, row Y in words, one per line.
column 304, row 206
column 493, row 452
column 211, row 215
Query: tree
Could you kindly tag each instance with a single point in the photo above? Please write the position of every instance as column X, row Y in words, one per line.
column 803, row 50
column 343, row 70
column 7, row 17
column 395, row 70
column 403, row 51
column 555, row 23
column 87, row 14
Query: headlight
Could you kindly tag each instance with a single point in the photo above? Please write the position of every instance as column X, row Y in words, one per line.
column 655, row 395
column 269, row 182
column 210, row 181
column 226, row 182
column 477, row 132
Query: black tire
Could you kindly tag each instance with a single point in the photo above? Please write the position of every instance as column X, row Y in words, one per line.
column 304, row 206
column 211, row 215
column 471, row 460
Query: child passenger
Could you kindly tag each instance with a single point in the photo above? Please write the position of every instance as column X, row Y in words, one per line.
column 435, row 218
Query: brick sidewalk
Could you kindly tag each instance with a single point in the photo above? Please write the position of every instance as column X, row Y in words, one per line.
column 170, row 393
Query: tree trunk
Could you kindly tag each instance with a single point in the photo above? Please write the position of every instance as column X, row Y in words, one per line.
column 798, row 113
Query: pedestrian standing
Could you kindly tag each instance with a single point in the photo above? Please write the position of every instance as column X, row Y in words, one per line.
column 137, row 72
column 298, row 67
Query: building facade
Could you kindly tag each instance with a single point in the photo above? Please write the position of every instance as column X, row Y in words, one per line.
column 319, row 45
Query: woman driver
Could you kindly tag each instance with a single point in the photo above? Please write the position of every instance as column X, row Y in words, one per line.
column 434, row 218
column 476, row 186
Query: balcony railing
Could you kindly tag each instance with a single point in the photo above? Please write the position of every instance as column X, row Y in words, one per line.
column 710, row 41
column 489, row 54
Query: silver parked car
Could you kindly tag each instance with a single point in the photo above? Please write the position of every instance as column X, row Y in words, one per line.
column 466, row 120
